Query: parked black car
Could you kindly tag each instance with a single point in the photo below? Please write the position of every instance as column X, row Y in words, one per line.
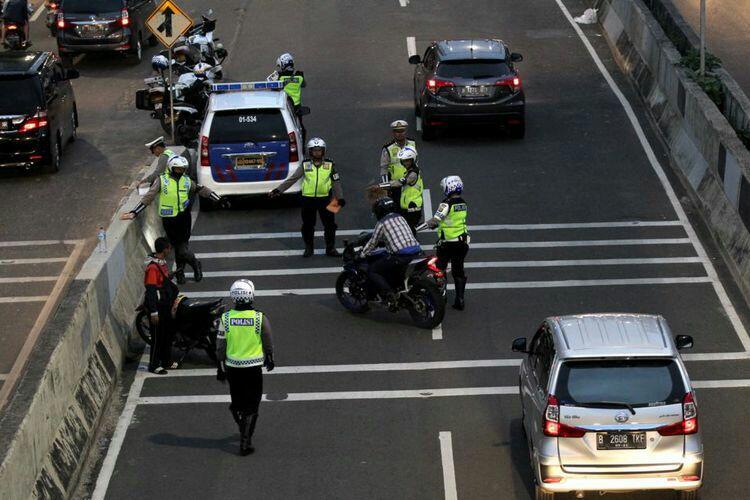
column 468, row 81
column 38, row 114
column 104, row 25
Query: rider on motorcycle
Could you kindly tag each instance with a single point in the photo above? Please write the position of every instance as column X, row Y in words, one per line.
column 400, row 244
column 17, row 11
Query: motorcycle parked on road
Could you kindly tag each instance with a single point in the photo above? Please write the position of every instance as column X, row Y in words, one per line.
column 420, row 288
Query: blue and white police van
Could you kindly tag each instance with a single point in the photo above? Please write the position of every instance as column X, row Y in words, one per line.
column 251, row 139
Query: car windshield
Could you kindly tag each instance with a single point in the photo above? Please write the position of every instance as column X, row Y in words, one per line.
column 19, row 96
column 91, row 6
column 635, row 382
column 475, row 69
column 249, row 125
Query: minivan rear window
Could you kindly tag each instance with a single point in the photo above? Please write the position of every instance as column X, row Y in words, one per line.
column 474, row 69
column 636, row 382
column 91, row 6
column 248, row 125
column 19, row 96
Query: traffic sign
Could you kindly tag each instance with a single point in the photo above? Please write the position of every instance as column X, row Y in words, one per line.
column 168, row 23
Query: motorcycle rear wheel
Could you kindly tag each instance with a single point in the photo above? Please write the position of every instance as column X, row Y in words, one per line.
column 143, row 325
column 350, row 293
column 429, row 308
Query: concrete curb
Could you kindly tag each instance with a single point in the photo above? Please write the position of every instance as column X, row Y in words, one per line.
column 55, row 410
column 710, row 159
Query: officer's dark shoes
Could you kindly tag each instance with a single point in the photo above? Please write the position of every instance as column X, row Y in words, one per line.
column 459, row 304
column 332, row 252
column 197, row 271
column 179, row 276
column 308, row 252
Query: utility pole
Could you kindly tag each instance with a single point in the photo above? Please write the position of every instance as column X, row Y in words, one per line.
column 703, row 38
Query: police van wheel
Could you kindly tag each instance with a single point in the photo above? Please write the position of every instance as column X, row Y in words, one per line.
column 143, row 326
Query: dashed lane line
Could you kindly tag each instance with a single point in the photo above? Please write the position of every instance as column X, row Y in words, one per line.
column 21, row 299
column 37, row 13
column 449, row 469
column 403, row 3
column 36, row 243
column 41, row 260
column 437, row 332
column 411, row 45
column 427, row 204
column 28, row 279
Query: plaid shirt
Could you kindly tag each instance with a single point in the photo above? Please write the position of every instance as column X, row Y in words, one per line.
column 395, row 231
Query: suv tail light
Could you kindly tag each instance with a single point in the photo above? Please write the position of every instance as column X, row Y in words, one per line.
column 52, row 6
column 293, row 148
column 204, row 152
column 60, row 19
column 689, row 422
column 35, row 122
column 552, row 425
column 124, row 18
column 435, row 84
column 513, row 81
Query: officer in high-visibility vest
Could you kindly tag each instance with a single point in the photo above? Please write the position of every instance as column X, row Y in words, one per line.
column 321, row 194
column 410, row 186
column 174, row 189
column 294, row 80
column 390, row 166
column 453, row 234
column 243, row 347
column 159, row 149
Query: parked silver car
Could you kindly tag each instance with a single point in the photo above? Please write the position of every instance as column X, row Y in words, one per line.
column 608, row 407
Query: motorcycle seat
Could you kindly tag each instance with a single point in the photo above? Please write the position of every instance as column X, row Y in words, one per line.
column 199, row 303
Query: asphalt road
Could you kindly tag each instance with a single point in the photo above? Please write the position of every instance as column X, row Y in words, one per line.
column 578, row 189
column 727, row 33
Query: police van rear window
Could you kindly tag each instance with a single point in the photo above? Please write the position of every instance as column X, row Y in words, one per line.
column 248, row 125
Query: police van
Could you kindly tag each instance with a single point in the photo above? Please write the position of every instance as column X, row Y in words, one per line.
column 251, row 139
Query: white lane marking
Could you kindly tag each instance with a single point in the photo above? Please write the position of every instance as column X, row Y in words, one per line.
column 449, row 471
column 338, row 396
column 3, row 376
column 659, row 170
column 115, row 445
column 403, row 3
column 44, row 260
column 37, row 13
column 437, row 332
column 28, row 279
column 37, row 243
column 472, row 228
column 418, row 123
column 411, row 45
column 715, row 356
column 427, row 204
column 475, row 246
column 14, row 300
column 720, row 384
column 485, row 286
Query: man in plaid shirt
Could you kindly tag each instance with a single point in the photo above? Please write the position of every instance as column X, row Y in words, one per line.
column 400, row 243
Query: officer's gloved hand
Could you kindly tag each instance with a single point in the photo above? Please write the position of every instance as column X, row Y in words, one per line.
column 275, row 193
column 342, row 202
column 268, row 362
column 225, row 203
column 221, row 374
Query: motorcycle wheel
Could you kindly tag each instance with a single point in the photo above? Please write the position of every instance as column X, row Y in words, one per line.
column 143, row 325
column 428, row 309
column 351, row 293
column 209, row 345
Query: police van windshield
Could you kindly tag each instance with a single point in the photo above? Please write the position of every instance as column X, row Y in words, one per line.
column 248, row 125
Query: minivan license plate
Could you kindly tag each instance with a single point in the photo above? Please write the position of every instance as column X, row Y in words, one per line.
column 620, row 440
column 249, row 163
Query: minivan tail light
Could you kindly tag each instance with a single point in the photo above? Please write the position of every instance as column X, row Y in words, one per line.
column 35, row 122
column 689, row 422
column 552, row 426
column 513, row 81
column 204, row 152
column 435, row 84
column 293, row 148
column 124, row 17
column 60, row 20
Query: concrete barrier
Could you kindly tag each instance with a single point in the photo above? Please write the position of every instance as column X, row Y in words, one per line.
column 48, row 425
column 703, row 146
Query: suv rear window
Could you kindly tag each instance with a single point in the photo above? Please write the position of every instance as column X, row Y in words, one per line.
column 91, row 6
column 636, row 382
column 19, row 96
column 475, row 69
column 245, row 125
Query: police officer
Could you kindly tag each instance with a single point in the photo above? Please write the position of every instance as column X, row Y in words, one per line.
column 320, row 180
column 390, row 166
column 453, row 234
column 174, row 189
column 243, row 346
column 159, row 149
column 410, row 187
column 294, row 80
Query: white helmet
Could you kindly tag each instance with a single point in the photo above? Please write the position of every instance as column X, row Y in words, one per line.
column 452, row 185
column 285, row 61
column 201, row 68
column 315, row 142
column 177, row 162
column 399, row 125
column 187, row 79
column 242, row 292
column 407, row 154
column 159, row 63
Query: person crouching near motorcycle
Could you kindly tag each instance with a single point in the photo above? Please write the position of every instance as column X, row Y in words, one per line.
column 160, row 294
column 400, row 243
column 243, row 347
column 453, row 234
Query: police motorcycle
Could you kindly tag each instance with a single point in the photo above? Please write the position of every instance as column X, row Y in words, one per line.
column 420, row 288
column 196, row 324
column 202, row 36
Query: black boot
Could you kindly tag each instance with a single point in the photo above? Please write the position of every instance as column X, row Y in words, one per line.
column 247, row 427
column 235, row 416
column 460, row 288
column 179, row 275
column 197, row 270
column 308, row 251
column 332, row 252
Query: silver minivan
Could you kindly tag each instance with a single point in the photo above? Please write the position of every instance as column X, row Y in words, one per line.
column 608, row 407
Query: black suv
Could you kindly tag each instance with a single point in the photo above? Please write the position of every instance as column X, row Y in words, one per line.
column 104, row 25
column 468, row 81
column 37, row 109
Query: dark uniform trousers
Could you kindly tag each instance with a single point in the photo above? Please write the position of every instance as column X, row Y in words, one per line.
column 455, row 253
column 310, row 206
column 178, row 231
column 412, row 218
column 245, row 388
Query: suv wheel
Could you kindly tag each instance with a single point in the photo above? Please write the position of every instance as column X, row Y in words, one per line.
column 54, row 154
column 540, row 494
column 73, row 126
column 517, row 131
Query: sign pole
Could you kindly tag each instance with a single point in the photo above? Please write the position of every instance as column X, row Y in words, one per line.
column 171, row 96
column 703, row 38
